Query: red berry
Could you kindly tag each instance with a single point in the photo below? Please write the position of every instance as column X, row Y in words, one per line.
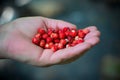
column 38, row 36
column 66, row 29
column 63, row 41
column 54, row 35
column 81, row 34
column 80, row 41
column 60, row 31
column 50, row 31
column 67, row 33
column 45, row 36
column 42, row 43
column 49, row 39
column 47, row 46
column 35, row 41
column 51, row 44
column 54, row 48
column 78, row 38
column 62, row 35
column 41, row 31
column 75, row 42
column 60, row 45
column 73, row 33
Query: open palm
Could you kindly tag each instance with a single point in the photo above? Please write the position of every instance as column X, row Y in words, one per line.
column 19, row 47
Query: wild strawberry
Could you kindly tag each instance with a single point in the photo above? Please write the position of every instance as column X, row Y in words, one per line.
column 50, row 31
column 48, row 39
column 73, row 33
column 54, row 35
column 66, row 29
column 51, row 44
column 42, row 43
column 81, row 34
column 63, row 41
column 54, row 48
column 47, row 46
column 45, row 36
column 35, row 41
column 41, row 31
column 80, row 41
column 62, row 35
column 67, row 33
column 38, row 36
column 60, row 46
column 75, row 42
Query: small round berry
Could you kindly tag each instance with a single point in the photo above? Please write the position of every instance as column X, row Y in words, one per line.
column 42, row 43
column 51, row 44
column 41, row 31
column 66, row 29
column 48, row 39
column 45, row 36
column 38, row 36
column 63, row 41
column 62, row 35
column 54, row 48
column 35, row 41
column 81, row 34
column 47, row 46
column 60, row 46
column 54, row 35
column 73, row 33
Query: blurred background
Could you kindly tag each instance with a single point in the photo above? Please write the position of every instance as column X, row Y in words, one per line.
column 100, row 63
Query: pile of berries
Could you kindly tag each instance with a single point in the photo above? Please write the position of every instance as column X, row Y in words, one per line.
column 60, row 38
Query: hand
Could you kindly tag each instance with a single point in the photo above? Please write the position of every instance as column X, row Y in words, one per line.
column 16, row 44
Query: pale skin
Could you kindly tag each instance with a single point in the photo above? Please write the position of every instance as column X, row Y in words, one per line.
column 16, row 44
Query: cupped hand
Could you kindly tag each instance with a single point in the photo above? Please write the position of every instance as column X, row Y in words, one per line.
column 16, row 42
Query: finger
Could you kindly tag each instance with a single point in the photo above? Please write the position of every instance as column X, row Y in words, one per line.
column 43, row 60
column 93, row 40
column 53, row 23
column 92, row 28
column 92, row 33
column 68, row 53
